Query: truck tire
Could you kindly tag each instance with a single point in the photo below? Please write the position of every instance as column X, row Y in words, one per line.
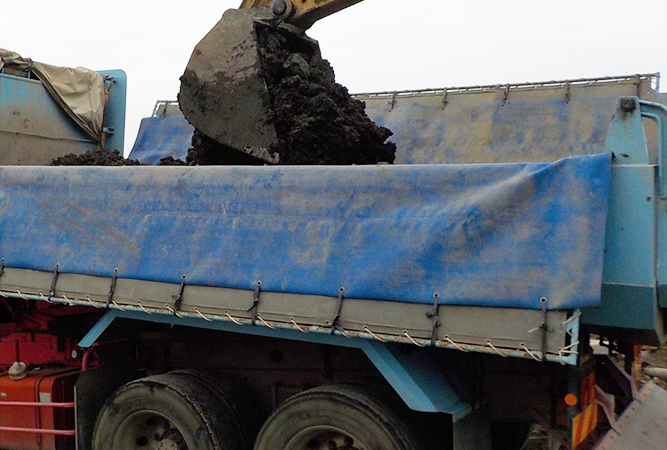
column 246, row 418
column 353, row 417
column 169, row 412
column 509, row 435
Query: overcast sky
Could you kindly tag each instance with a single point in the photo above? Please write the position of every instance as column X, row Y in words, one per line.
column 376, row 45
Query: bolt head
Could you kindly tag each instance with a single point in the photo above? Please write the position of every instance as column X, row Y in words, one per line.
column 279, row 8
column 628, row 104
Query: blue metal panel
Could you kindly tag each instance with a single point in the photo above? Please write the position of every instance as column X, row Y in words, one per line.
column 417, row 379
column 630, row 252
column 115, row 114
column 625, row 306
column 636, row 231
column 26, row 107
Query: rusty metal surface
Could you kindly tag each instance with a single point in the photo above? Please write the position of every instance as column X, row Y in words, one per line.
column 506, row 123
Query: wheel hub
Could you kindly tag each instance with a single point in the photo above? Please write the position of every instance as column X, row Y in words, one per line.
column 324, row 438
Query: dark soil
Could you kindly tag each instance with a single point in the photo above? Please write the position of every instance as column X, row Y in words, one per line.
column 316, row 119
column 207, row 152
column 171, row 161
column 97, row 157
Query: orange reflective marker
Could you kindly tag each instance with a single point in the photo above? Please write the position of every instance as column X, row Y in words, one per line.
column 571, row 400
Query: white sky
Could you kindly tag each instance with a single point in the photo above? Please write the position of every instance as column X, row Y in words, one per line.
column 376, row 45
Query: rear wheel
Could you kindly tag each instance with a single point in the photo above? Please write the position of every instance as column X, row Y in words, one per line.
column 166, row 412
column 340, row 417
column 243, row 410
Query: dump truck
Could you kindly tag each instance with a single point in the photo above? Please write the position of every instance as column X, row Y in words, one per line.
column 504, row 272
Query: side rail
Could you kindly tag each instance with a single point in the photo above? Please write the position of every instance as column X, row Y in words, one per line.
column 509, row 332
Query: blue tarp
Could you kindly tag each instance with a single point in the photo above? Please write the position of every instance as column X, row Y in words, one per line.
column 490, row 234
column 159, row 137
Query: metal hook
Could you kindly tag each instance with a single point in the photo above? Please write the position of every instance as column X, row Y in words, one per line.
column 298, row 327
column 92, row 303
column 171, row 310
column 266, row 324
column 113, row 302
column 143, row 309
column 447, row 339
column 232, row 319
column 203, row 316
column 407, row 335
column 44, row 298
column 531, row 354
column 488, row 342
column 375, row 336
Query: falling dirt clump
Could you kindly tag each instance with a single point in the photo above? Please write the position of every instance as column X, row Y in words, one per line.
column 316, row 119
column 97, row 157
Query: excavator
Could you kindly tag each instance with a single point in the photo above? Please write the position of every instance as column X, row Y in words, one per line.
column 223, row 90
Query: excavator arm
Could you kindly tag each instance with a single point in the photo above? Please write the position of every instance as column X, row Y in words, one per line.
column 300, row 13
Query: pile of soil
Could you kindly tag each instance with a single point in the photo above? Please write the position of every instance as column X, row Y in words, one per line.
column 171, row 161
column 316, row 119
column 207, row 152
column 97, row 157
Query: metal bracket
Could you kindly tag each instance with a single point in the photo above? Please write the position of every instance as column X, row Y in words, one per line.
column 544, row 327
column 178, row 299
column 112, row 288
column 339, row 308
column 506, row 94
column 54, row 280
column 255, row 302
column 392, row 103
column 435, row 317
column 444, row 100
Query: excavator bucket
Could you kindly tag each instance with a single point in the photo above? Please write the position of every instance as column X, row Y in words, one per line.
column 223, row 93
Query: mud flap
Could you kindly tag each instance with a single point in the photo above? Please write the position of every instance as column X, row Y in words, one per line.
column 642, row 425
column 473, row 432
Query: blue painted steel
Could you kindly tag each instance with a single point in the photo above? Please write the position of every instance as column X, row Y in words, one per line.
column 160, row 137
column 115, row 114
column 100, row 327
column 420, row 380
column 625, row 138
column 39, row 113
column 630, row 252
column 636, row 233
column 500, row 235
column 658, row 113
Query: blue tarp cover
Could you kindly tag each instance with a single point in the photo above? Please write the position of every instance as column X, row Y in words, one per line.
column 500, row 235
column 159, row 137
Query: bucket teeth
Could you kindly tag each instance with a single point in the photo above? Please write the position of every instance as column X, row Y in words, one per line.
column 223, row 93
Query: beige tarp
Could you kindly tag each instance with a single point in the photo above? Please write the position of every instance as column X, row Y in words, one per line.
column 80, row 91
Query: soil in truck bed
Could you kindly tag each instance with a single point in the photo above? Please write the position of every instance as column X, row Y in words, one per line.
column 97, row 157
column 316, row 119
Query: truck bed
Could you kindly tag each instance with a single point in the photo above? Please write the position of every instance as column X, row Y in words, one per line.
column 486, row 243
